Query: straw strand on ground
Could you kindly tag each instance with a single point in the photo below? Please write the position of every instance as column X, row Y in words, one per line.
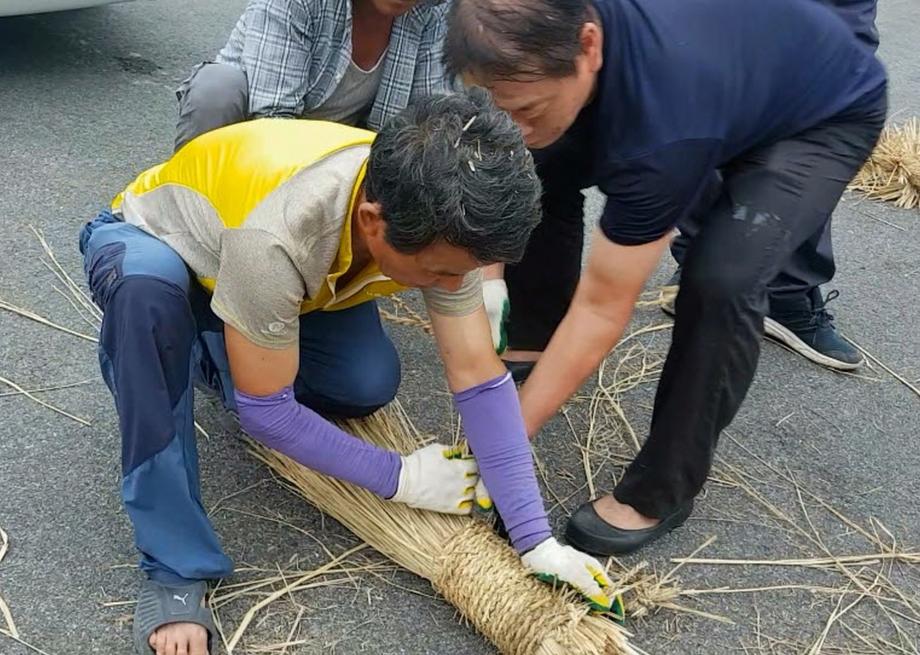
column 80, row 296
column 403, row 314
column 900, row 378
column 299, row 584
column 32, row 316
column 10, row 629
column 41, row 402
column 56, row 387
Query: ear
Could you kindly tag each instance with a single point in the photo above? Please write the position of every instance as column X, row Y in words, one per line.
column 370, row 220
column 592, row 45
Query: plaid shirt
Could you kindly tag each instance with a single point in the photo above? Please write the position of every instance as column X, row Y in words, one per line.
column 295, row 52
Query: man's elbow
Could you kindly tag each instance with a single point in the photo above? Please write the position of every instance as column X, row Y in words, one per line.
column 603, row 301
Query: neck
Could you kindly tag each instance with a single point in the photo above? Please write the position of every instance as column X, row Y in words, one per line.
column 370, row 33
column 364, row 11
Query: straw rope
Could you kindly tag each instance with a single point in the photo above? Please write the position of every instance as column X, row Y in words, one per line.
column 467, row 562
column 516, row 616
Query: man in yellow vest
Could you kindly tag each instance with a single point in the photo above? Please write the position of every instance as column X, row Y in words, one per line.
column 249, row 263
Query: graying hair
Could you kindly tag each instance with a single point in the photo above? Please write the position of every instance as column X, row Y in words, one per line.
column 454, row 168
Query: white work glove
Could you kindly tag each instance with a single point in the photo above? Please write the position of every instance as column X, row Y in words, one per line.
column 495, row 299
column 551, row 562
column 437, row 478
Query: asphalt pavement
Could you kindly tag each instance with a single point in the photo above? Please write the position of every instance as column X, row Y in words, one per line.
column 86, row 102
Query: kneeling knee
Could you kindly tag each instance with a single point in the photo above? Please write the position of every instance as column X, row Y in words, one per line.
column 358, row 391
column 373, row 386
column 141, row 305
column 218, row 91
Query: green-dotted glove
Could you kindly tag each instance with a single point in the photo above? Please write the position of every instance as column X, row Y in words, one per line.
column 552, row 562
column 495, row 299
column 439, row 479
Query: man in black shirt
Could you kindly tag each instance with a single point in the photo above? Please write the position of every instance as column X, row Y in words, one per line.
column 648, row 100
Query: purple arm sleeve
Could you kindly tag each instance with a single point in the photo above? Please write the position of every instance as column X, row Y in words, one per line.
column 494, row 427
column 281, row 423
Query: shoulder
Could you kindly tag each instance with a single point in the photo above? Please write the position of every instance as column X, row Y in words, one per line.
column 428, row 15
column 277, row 145
column 309, row 207
column 309, row 13
column 293, row 8
column 246, row 167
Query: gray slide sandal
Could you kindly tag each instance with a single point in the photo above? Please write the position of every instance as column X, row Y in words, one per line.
column 159, row 605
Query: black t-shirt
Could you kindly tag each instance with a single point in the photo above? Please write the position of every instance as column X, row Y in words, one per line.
column 686, row 86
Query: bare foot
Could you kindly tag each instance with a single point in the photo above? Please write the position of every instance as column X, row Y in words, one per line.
column 521, row 355
column 622, row 516
column 180, row 639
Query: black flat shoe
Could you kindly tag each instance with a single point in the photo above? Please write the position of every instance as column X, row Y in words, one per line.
column 520, row 371
column 590, row 533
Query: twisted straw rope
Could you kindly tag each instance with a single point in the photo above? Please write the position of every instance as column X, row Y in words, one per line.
column 481, row 576
column 466, row 561
column 507, row 618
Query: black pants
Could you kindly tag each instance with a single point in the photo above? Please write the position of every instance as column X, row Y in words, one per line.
column 772, row 201
column 541, row 285
column 795, row 285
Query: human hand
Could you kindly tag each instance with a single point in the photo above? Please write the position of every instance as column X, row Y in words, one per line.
column 552, row 562
column 437, row 478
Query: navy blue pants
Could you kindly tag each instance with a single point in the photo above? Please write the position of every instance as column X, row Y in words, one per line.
column 159, row 338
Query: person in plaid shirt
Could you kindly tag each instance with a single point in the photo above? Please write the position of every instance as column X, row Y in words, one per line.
column 356, row 62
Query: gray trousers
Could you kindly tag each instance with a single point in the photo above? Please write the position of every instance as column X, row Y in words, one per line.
column 812, row 264
column 214, row 95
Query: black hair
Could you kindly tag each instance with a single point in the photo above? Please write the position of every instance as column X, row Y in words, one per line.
column 506, row 39
column 455, row 168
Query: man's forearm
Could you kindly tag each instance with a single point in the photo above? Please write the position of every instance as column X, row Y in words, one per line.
column 494, row 428
column 281, row 423
column 491, row 414
column 599, row 313
column 465, row 344
column 581, row 342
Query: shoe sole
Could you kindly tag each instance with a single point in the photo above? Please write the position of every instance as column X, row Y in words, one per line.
column 786, row 337
column 592, row 547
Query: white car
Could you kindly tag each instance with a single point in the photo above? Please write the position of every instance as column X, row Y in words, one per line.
column 17, row 7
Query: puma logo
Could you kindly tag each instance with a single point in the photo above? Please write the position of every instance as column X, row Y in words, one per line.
column 182, row 599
